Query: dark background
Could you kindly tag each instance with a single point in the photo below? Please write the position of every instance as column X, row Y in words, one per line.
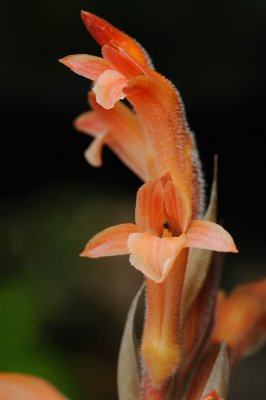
column 56, row 307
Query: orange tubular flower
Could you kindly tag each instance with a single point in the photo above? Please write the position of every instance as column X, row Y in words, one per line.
column 163, row 228
column 169, row 205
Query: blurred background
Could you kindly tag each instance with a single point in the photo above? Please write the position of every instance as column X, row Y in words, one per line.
column 61, row 316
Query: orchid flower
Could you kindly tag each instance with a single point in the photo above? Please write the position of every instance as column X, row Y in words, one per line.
column 163, row 228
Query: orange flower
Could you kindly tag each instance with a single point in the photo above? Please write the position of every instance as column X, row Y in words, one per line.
column 163, row 228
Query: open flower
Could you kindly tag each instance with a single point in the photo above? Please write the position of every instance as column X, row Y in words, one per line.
column 163, row 228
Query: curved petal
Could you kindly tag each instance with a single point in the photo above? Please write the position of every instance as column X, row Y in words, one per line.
column 208, row 235
column 90, row 67
column 160, row 109
column 109, row 242
column 89, row 122
column 149, row 207
column 126, row 138
column 15, row 386
column 152, row 255
column 103, row 32
column 109, row 88
column 93, row 154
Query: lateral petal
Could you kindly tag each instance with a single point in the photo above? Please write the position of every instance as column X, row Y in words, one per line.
column 14, row 386
column 109, row 88
column 89, row 122
column 103, row 32
column 149, row 207
column 126, row 138
column 152, row 255
column 110, row 242
column 208, row 235
column 90, row 67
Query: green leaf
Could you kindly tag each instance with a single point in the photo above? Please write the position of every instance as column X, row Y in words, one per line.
column 128, row 373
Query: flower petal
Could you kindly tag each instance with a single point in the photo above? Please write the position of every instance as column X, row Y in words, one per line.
column 109, row 242
column 149, row 207
column 126, row 138
column 109, row 88
column 152, row 255
column 15, row 386
column 93, row 154
column 89, row 122
column 90, row 67
column 241, row 320
column 120, row 62
column 103, row 32
column 208, row 235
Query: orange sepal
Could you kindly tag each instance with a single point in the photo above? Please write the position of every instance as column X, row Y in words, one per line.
column 121, row 62
column 241, row 320
column 109, row 242
column 14, row 386
column 126, row 139
column 104, row 33
column 89, row 122
column 89, row 67
column 208, row 235
column 160, row 109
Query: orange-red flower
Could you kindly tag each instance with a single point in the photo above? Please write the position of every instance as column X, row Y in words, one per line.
column 163, row 228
